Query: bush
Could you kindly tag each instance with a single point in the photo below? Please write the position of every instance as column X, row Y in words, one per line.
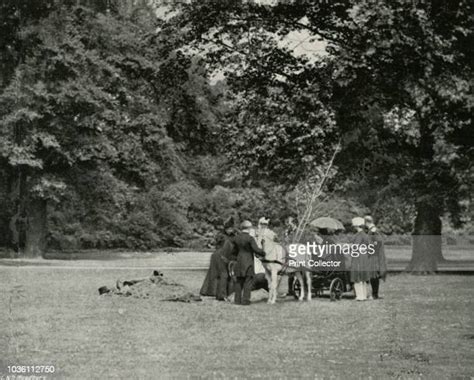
column 138, row 231
column 59, row 241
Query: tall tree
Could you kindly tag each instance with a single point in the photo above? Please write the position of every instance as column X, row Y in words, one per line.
column 92, row 93
column 398, row 80
column 404, row 80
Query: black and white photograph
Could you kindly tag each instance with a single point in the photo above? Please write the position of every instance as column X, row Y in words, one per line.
column 236, row 189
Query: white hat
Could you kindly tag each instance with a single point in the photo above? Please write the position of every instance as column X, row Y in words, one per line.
column 369, row 219
column 358, row 221
column 262, row 220
column 246, row 224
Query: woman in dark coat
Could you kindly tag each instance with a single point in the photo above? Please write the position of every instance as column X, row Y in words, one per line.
column 217, row 282
column 377, row 260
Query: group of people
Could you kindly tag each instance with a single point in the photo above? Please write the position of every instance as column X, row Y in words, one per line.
column 232, row 267
column 235, row 265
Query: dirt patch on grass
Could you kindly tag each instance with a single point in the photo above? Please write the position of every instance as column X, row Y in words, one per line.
column 157, row 286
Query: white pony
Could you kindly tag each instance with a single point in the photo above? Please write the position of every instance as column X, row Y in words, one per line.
column 274, row 262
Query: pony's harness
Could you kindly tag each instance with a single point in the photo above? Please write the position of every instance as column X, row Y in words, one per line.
column 272, row 261
column 264, row 260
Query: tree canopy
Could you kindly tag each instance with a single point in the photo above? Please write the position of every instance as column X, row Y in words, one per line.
column 396, row 86
column 98, row 97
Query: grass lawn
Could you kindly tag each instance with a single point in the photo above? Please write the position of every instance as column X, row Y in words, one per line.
column 423, row 328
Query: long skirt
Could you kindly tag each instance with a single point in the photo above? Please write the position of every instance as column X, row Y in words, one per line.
column 378, row 265
column 217, row 282
column 360, row 269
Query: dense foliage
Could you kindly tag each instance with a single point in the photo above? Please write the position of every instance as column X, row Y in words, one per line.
column 115, row 132
column 109, row 136
column 396, row 84
column 97, row 115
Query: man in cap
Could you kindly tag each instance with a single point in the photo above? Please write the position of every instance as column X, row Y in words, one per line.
column 244, row 272
column 377, row 260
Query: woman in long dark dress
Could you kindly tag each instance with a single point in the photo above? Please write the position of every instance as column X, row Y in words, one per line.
column 217, row 282
column 378, row 261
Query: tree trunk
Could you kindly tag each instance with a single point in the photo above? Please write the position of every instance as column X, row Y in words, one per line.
column 427, row 241
column 36, row 232
column 17, row 188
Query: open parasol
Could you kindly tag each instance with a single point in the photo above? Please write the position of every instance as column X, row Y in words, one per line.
column 327, row 222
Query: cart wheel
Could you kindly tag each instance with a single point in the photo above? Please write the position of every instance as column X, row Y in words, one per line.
column 336, row 289
column 296, row 288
